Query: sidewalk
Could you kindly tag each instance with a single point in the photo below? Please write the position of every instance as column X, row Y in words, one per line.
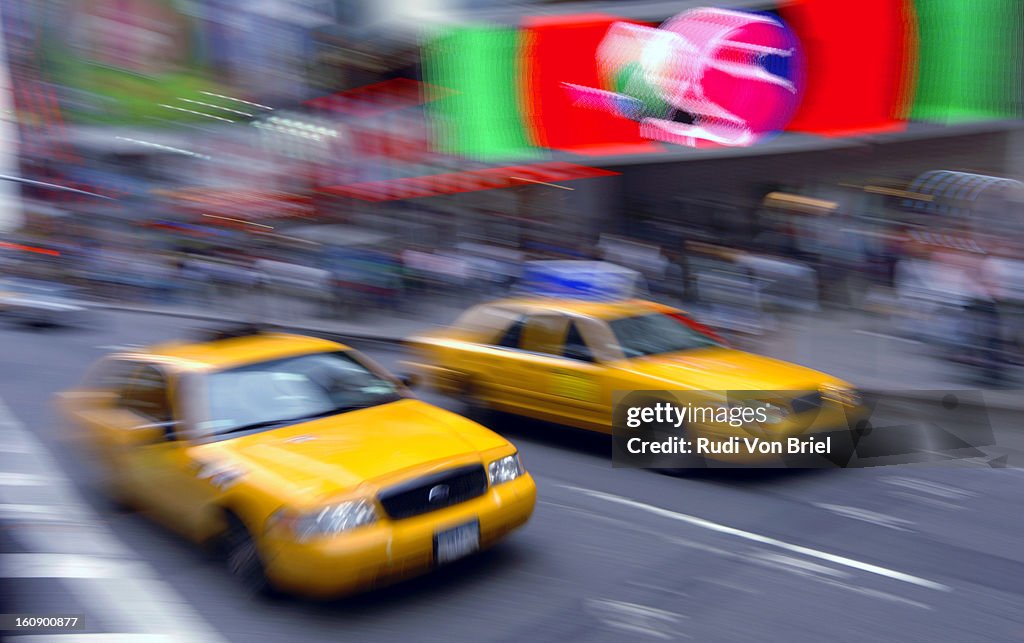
column 849, row 344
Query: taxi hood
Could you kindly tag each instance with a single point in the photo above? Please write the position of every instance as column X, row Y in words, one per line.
column 725, row 369
column 339, row 453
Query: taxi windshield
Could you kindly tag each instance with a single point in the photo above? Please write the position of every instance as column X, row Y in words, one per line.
column 657, row 333
column 278, row 392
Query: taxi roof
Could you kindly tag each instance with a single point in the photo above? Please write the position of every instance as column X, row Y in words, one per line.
column 237, row 351
column 606, row 310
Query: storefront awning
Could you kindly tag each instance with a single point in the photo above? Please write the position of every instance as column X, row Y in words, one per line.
column 957, row 193
column 799, row 203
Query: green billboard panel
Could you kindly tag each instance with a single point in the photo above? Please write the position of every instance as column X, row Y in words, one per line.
column 478, row 114
column 969, row 62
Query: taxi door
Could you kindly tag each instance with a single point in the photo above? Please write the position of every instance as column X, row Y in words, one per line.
column 563, row 378
column 507, row 372
column 103, row 426
column 168, row 478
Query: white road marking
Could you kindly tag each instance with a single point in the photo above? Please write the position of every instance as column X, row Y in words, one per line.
column 797, row 565
column 935, row 502
column 874, row 593
column 68, row 566
column 95, row 638
column 23, row 479
column 873, row 517
column 871, row 333
column 122, row 592
column 764, row 540
column 819, row 573
column 16, row 447
column 657, row 588
column 632, row 617
column 934, row 488
column 15, row 512
column 727, row 585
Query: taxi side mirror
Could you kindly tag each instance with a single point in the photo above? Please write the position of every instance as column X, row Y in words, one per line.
column 152, row 433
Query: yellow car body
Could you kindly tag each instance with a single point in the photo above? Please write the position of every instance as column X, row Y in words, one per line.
column 545, row 374
column 281, row 482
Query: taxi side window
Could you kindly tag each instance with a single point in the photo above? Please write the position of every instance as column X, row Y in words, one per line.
column 544, row 334
column 511, row 337
column 575, row 346
column 147, row 395
column 113, row 375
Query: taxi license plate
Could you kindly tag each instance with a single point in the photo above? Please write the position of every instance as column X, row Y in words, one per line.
column 452, row 544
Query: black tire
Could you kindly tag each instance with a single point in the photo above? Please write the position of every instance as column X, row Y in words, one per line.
column 111, row 488
column 688, row 462
column 118, row 501
column 242, row 558
column 681, row 463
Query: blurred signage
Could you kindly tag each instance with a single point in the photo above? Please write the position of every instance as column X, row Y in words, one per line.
column 383, row 122
column 470, row 181
column 382, row 133
column 852, row 87
column 239, row 208
column 737, row 76
column 598, row 84
column 586, row 280
column 122, row 61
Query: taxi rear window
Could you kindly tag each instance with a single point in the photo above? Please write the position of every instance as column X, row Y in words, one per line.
column 658, row 333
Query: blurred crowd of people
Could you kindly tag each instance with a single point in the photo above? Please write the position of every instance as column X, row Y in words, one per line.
column 957, row 291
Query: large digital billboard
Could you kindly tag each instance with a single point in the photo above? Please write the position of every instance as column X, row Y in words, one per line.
column 599, row 84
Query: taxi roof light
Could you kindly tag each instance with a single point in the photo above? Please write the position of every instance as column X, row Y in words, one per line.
column 584, row 280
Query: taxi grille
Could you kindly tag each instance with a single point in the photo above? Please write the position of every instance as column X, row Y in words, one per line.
column 433, row 492
column 809, row 402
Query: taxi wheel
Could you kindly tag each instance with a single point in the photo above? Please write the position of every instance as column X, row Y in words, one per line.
column 683, row 464
column 114, row 490
column 119, row 500
column 243, row 558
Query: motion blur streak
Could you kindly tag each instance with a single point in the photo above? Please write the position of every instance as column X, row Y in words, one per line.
column 519, row 209
column 739, row 533
column 120, row 589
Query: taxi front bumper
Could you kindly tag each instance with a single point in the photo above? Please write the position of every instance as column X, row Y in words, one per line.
column 391, row 550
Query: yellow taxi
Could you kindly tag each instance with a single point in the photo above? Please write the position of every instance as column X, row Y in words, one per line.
column 564, row 360
column 314, row 470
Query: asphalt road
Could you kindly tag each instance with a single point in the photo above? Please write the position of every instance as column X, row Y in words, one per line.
column 912, row 553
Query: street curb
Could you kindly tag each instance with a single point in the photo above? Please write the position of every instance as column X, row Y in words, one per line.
column 309, row 328
column 929, row 396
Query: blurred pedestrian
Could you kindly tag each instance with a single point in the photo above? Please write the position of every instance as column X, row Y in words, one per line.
column 985, row 325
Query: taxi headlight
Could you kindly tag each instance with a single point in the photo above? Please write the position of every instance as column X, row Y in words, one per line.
column 504, row 469
column 845, row 395
column 329, row 521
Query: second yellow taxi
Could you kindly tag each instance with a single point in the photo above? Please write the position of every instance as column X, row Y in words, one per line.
column 562, row 359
